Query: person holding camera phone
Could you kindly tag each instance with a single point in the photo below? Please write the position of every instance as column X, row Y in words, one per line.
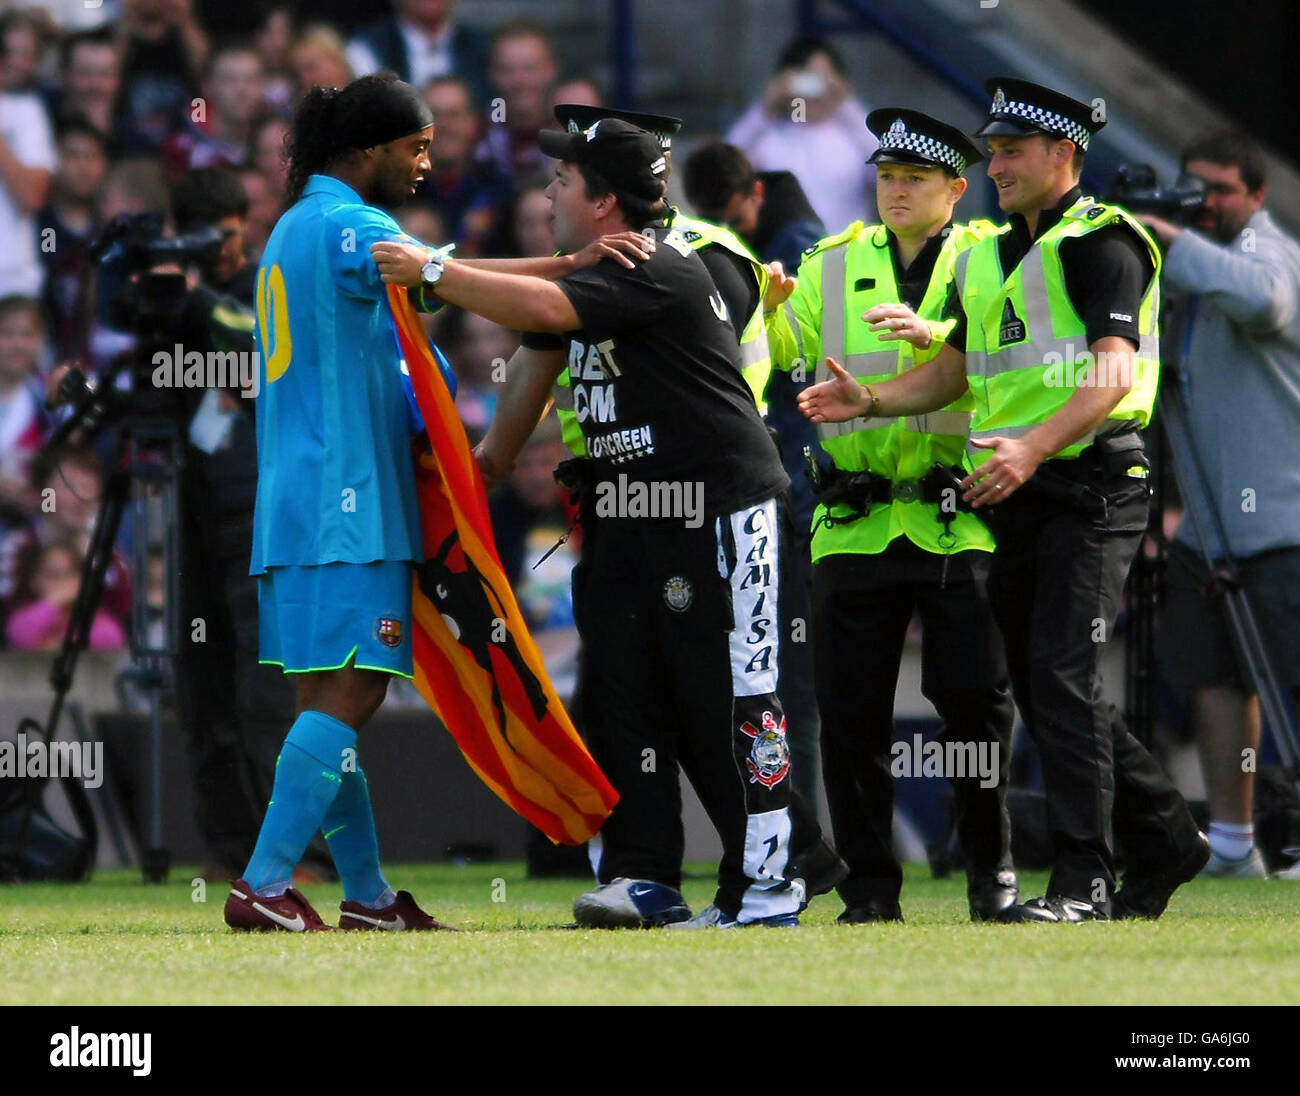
column 1056, row 341
column 1240, row 339
column 889, row 535
column 809, row 122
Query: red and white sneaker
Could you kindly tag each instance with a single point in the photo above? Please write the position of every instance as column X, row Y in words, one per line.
column 247, row 911
column 402, row 916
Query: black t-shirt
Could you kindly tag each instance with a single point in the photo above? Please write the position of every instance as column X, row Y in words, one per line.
column 734, row 276
column 915, row 280
column 1107, row 273
column 656, row 379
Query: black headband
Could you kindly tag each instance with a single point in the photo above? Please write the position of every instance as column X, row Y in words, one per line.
column 374, row 113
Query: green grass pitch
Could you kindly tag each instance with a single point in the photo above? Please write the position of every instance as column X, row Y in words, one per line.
column 115, row 941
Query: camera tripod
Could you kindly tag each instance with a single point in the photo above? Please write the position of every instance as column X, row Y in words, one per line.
column 1224, row 577
column 144, row 478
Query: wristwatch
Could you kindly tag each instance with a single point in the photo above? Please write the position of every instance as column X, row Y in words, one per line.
column 431, row 272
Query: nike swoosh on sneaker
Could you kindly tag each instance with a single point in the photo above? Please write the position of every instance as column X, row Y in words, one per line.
column 296, row 923
column 395, row 923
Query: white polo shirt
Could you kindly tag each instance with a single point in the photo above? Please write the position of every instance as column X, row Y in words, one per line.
column 25, row 128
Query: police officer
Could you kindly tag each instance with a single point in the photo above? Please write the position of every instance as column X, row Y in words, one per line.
column 1056, row 341
column 884, row 544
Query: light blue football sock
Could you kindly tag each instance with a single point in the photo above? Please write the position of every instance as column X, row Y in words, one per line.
column 349, row 827
column 308, row 775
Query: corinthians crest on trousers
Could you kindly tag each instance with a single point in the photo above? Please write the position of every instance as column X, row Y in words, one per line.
column 769, row 758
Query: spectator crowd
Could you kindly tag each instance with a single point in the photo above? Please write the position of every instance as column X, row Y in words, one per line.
column 104, row 110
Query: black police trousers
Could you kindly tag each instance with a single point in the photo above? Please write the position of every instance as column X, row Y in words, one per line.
column 862, row 606
column 1066, row 540
column 680, row 639
column 234, row 711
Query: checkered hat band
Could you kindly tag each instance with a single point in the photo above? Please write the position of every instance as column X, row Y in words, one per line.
column 1050, row 120
column 920, row 145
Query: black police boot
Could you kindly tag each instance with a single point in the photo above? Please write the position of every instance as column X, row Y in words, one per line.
column 1053, row 909
column 820, row 868
column 990, row 892
column 870, row 911
column 1148, row 897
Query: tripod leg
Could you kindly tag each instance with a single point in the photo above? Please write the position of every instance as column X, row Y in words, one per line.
column 77, row 635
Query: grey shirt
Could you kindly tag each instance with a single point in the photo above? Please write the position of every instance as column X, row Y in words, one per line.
column 1241, row 360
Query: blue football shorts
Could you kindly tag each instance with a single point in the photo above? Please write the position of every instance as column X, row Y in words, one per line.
column 323, row 617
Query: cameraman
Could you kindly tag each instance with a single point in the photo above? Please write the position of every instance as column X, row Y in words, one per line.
column 233, row 709
column 1240, row 343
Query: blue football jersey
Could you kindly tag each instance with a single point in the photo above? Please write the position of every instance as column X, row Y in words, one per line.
column 334, row 422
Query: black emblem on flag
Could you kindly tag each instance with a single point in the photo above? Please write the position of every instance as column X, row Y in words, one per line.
column 1013, row 327
column 470, row 607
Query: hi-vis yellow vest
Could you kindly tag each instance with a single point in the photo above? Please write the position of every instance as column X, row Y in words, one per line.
column 1027, row 348
column 755, row 361
column 839, row 279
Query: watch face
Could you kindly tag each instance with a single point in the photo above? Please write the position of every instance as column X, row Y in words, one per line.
column 431, row 272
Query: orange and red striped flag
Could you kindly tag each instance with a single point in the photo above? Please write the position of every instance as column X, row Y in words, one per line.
column 475, row 663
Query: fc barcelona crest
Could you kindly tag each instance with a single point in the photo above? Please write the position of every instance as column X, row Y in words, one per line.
column 388, row 630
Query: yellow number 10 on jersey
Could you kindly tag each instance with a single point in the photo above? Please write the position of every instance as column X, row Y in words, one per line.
column 273, row 319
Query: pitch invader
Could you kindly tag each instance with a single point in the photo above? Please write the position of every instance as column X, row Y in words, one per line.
column 676, row 666
column 889, row 538
column 741, row 280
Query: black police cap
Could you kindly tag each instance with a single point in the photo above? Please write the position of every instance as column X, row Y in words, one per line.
column 1020, row 108
column 910, row 137
column 576, row 117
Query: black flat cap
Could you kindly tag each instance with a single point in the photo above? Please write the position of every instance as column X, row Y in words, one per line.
column 629, row 157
